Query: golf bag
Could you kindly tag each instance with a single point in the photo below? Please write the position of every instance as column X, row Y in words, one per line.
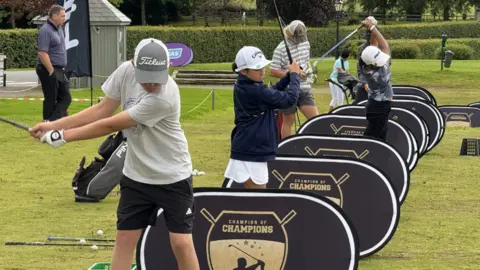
column 346, row 82
column 97, row 180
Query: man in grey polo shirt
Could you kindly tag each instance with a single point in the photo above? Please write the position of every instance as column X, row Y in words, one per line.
column 51, row 63
column 158, row 166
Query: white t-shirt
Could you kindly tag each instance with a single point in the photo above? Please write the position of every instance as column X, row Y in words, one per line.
column 157, row 147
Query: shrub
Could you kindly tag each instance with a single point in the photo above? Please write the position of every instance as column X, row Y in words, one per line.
column 461, row 52
column 220, row 44
column 405, row 51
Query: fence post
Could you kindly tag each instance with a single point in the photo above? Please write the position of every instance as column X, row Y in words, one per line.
column 213, row 99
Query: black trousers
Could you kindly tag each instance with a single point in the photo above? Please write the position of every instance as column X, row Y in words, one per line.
column 56, row 92
column 377, row 113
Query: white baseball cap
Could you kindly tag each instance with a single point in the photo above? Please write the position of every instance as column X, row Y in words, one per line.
column 298, row 31
column 374, row 56
column 151, row 61
column 251, row 58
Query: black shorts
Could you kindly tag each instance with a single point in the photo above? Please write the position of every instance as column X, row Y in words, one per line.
column 378, row 113
column 139, row 205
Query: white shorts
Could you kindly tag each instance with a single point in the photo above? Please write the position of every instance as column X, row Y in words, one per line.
column 240, row 171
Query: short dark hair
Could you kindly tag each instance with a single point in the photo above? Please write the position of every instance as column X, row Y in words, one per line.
column 54, row 10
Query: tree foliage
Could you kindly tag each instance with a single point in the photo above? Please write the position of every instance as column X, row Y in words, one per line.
column 28, row 8
column 311, row 12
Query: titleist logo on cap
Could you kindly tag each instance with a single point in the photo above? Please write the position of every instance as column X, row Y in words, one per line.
column 151, row 61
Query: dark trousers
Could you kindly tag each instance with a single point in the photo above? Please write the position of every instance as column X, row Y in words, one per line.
column 56, row 93
column 377, row 115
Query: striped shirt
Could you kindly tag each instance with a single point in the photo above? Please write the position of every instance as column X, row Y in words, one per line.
column 300, row 53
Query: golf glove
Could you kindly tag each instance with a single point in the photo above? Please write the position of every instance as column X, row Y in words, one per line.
column 54, row 138
column 373, row 20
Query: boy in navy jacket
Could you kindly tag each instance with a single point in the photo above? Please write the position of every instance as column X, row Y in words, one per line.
column 255, row 136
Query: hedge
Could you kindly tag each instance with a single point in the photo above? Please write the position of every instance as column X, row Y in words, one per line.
column 464, row 48
column 220, row 44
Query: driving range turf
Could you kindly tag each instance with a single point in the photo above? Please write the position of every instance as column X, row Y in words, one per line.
column 439, row 220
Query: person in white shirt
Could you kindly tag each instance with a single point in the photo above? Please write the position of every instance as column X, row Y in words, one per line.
column 341, row 66
column 157, row 170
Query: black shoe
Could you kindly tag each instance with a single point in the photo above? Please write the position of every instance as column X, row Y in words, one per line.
column 85, row 199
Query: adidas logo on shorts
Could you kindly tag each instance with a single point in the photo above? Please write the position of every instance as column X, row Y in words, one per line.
column 189, row 211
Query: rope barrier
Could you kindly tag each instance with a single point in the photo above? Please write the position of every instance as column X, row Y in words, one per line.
column 224, row 101
column 209, row 95
column 20, row 91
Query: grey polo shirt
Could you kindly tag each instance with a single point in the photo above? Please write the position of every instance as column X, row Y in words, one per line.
column 51, row 39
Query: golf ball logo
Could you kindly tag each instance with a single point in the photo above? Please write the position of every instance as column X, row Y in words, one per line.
column 55, row 136
column 247, row 240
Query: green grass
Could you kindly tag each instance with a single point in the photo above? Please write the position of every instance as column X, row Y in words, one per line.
column 439, row 220
column 462, row 74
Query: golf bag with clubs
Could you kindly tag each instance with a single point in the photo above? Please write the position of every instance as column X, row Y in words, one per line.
column 97, row 180
column 346, row 82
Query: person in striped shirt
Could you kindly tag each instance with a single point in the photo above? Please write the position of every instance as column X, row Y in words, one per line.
column 296, row 36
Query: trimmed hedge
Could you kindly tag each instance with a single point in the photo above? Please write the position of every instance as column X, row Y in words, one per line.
column 464, row 48
column 220, row 44
column 20, row 47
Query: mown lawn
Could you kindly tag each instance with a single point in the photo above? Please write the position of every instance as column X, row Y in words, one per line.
column 439, row 220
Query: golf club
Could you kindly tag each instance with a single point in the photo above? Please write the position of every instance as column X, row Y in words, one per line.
column 334, row 47
column 281, row 31
column 22, row 126
column 53, row 244
column 243, row 252
column 54, row 238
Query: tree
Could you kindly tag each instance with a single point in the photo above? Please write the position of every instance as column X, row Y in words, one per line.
column 311, row 12
column 30, row 8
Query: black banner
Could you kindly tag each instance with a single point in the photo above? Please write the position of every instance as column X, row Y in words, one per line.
column 380, row 154
column 457, row 115
column 77, row 38
column 245, row 229
column 475, row 104
column 364, row 192
column 429, row 113
column 416, row 91
column 410, row 97
column 331, row 124
column 410, row 119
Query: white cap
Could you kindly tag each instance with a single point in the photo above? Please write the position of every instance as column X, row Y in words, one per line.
column 374, row 56
column 298, row 31
column 251, row 58
column 151, row 61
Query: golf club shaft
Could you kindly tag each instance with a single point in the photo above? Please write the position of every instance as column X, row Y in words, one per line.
column 283, row 35
column 244, row 252
column 52, row 244
column 54, row 238
column 14, row 123
column 340, row 43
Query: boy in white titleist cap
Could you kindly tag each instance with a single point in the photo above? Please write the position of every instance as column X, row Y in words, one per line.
column 255, row 135
column 157, row 170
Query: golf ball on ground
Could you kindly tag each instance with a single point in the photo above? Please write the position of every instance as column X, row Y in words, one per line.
column 94, row 247
column 100, row 232
column 82, row 241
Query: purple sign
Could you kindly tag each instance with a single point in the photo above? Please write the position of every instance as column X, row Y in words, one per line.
column 180, row 54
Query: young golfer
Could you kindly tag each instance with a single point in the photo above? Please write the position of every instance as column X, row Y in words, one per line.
column 254, row 138
column 340, row 66
column 376, row 71
column 157, row 170
column 296, row 36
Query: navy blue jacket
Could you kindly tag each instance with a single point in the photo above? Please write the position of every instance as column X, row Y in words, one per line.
column 255, row 135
